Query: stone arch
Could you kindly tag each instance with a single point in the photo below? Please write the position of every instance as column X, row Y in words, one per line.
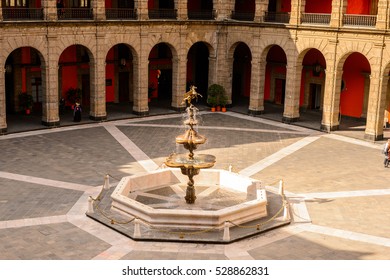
column 346, row 68
column 313, row 75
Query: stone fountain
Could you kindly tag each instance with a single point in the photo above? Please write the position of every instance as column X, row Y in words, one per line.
column 190, row 164
column 155, row 199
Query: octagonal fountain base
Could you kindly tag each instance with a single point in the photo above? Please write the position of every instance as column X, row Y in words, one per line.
column 151, row 206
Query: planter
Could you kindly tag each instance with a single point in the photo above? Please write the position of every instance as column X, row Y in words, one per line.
column 28, row 111
column 223, row 109
column 212, row 109
column 218, row 108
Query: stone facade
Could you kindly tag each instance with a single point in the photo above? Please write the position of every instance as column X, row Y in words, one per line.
column 50, row 37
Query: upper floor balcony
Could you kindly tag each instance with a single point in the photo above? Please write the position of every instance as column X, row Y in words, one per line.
column 121, row 14
column 17, row 13
column 314, row 18
column 276, row 17
column 359, row 20
column 244, row 16
column 75, row 14
column 162, row 14
column 201, row 14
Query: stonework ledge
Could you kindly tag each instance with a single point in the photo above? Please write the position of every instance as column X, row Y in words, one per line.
column 255, row 112
column 141, row 114
column 373, row 137
column 289, row 120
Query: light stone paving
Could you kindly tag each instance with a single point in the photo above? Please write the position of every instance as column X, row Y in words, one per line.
column 303, row 239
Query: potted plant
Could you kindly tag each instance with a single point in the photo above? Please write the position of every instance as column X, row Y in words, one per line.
column 73, row 95
column 26, row 102
column 216, row 96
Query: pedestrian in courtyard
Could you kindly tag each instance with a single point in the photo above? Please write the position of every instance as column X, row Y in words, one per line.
column 77, row 112
column 386, row 149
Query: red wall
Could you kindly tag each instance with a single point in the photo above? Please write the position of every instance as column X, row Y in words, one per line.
column 358, row 7
column 193, row 5
column 108, row 3
column 318, row 6
column 351, row 100
column 285, row 6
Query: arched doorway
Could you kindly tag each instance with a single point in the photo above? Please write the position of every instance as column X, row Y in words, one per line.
column 241, row 83
column 198, row 69
column 24, row 93
column 312, row 81
column 74, row 77
column 119, row 75
column 275, row 76
column 355, row 86
column 160, row 75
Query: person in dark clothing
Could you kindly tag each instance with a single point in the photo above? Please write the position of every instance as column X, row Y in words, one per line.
column 77, row 113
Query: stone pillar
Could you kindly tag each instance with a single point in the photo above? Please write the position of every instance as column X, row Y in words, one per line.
column 331, row 105
column 140, row 102
column 98, row 81
column 181, row 7
column 297, row 7
column 179, row 82
column 142, row 9
column 256, row 101
column 224, row 68
column 49, row 10
column 382, row 16
column 223, row 9
column 292, row 94
column 339, row 8
column 49, row 74
column 3, row 115
column 99, row 10
column 212, row 69
column 1, row 10
column 377, row 98
column 261, row 8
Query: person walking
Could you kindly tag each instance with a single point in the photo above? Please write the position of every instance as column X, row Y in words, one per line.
column 386, row 149
column 77, row 113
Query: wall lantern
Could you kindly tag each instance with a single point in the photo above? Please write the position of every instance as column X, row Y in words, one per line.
column 317, row 69
column 122, row 62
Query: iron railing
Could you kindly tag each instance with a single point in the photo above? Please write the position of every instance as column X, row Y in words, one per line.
column 10, row 14
column 309, row 18
column 162, row 14
column 245, row 16
column 121, row 13
column 276, row 17
column 75, row 13
column 201, row 14
column 359, row 20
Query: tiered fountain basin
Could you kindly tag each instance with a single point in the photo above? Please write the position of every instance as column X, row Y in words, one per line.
column 156, row 198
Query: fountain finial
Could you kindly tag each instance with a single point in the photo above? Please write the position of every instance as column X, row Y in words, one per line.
column 191, row 94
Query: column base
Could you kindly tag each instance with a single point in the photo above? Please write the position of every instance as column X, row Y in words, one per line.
column 373, row 137
column 289, row 120
column 328, row 128
column 178, row 109
column 3, row 130
column 51, row 124
column 99, row 119
column 255, row 112
column 141, row 114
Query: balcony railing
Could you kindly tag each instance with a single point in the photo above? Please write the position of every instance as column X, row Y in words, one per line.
column 11, row 14
column 121, row 13
column 245, row 16
column 277, row 17
column 162, row 14
column 75, row 14
column 359, row 20
column 308, row 18
column 201, row 14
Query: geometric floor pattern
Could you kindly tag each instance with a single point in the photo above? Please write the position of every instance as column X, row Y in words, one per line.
column 337, row 188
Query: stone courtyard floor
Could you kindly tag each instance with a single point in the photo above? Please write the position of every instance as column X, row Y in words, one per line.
column 337, row 188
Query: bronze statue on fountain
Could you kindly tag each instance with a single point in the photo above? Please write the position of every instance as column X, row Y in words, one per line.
column 190, row 164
